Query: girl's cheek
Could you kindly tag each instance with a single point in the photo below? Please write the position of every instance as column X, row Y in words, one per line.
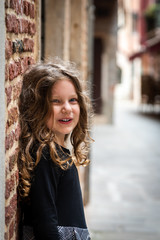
column 56, row 108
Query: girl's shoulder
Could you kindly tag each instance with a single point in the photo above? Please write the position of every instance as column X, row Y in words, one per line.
column 48, row 156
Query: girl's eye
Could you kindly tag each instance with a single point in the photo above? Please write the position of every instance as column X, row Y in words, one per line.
column 55, row 101
column 73, row 100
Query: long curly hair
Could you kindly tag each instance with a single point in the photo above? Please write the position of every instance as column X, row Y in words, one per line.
column 35, row 107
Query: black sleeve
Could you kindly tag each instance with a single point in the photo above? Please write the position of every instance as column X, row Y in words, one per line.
column 43, row 199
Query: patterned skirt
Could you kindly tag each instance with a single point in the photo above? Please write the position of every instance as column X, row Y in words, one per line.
column 65, row 233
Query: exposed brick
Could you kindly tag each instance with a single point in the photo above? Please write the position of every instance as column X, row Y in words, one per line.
column 32, row 29
column 8, row 23
column 8, row 92
column 25, row 62
column 9, row 140
column 30, row 61
column 28, row 45
column 8, row 48
column 10, row 210
column 23, row 26
column 12, row 116
column 12, row 23
column 11, row 71
column 17, row 5
column 17, row 133
column 18, row 68
column 6, row 236
column 16, row 90
column 26, row 8
column 31, row 10
column 11, row 229
column 10, row 185
column 6, row 72
column 16, row 174
column 12, row 160
column 14, row 69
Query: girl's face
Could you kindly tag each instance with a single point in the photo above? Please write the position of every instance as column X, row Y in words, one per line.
column 65, row 109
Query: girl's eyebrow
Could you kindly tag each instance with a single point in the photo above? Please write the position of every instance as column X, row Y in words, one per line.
column 55, row 96
column 70, row 96
column 74, row 95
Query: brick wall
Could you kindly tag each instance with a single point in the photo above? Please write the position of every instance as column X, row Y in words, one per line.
column 21, row 50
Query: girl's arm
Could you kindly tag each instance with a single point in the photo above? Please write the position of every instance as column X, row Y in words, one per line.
column 43, row 199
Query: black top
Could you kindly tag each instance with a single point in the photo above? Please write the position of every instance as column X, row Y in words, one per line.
column 55, row 198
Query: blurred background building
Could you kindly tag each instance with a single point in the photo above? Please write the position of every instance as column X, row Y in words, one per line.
column 138, row 53
column 104, row 65
column 124, row 195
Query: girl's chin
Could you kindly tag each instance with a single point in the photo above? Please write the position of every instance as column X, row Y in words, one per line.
column 62, row 135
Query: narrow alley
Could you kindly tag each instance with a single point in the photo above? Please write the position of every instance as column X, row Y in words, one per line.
column 124, row 180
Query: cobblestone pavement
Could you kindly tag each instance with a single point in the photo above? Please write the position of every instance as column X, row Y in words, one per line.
column 125, row 178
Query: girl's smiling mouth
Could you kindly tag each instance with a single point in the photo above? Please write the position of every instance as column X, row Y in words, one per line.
column 65, row 120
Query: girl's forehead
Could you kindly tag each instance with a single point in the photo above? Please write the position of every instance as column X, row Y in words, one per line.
column 64, row 85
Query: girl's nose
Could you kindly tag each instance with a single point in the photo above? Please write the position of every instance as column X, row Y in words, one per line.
column 66, row 107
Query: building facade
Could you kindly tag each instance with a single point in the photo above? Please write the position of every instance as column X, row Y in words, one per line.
column 105, row 66
column 139, row 51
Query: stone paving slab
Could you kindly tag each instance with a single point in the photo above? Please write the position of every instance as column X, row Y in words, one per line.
column 124, row 236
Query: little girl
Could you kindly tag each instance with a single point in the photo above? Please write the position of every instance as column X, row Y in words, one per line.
column 53, row 111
